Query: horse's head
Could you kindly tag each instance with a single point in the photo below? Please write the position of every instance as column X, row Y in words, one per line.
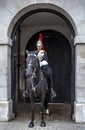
column 32, row 65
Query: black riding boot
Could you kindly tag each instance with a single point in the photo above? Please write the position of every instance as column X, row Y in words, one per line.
column 50, row 87
column 53, row 93
column 47, row 71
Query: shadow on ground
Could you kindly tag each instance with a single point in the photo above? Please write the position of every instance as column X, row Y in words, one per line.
column 58, row 111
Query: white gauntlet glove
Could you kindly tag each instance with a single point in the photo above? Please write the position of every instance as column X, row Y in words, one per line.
column 42, row 63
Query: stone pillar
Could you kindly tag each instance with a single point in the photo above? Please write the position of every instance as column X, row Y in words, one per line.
column 79, row 105
column 5, row 80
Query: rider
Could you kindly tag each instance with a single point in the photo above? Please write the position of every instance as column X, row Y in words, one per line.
column 43, row 59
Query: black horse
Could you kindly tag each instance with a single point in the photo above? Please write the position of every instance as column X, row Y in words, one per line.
column 37, row 86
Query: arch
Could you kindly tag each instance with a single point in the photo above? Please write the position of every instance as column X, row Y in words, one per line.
column 41, row 7
column 35, row 8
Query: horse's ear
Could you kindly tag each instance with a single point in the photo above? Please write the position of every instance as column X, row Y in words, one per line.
column 27, row 51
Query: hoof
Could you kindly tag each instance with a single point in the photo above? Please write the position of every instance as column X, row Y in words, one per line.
column 31, row 124
column 43, row 124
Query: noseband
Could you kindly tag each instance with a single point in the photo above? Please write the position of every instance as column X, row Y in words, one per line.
column 29, row 65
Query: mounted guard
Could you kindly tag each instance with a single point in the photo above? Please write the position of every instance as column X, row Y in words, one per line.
column 47, row 71
column 43, row 60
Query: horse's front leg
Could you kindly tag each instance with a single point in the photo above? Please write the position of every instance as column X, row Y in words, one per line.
column 43, row 124
column 31, row 124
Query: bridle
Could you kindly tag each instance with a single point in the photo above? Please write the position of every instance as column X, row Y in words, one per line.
column 32, row 55
column 30, row 65
column 33, row 74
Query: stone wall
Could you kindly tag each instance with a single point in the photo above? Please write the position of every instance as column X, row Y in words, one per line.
column 10, row 12
column 79, row 103
column 5, row 82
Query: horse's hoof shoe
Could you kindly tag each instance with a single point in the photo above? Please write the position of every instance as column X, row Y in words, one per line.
column 43, row 124
column 31, row 124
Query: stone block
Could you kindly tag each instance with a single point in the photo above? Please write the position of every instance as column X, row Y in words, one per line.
column 3, row 80
column 79, row 81
column 5, row 93
column 3, row 59
column 80, row 95
column 79, row 112
column 80, row 66
column 6, row 110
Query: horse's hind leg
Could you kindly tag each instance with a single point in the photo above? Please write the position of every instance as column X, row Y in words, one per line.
column 47, row 98
column 43, row 124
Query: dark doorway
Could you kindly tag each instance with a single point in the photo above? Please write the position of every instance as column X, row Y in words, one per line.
column 59, row 56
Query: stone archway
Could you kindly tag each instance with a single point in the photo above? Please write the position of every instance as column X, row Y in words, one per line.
column 14, row 29
column 32, row 9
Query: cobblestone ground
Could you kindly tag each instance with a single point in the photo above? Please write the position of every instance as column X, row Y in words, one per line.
column 59, row 119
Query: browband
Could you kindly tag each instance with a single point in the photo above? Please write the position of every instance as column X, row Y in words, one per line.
column 32, row 55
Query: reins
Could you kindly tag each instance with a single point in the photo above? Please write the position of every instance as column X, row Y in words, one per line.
column 40, row 80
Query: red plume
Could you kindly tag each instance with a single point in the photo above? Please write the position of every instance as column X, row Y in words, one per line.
column 40, row 37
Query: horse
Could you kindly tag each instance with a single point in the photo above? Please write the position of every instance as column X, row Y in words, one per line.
column 37, row 86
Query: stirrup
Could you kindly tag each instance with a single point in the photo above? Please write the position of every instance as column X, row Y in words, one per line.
column 53, row 93
column 25, row 94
